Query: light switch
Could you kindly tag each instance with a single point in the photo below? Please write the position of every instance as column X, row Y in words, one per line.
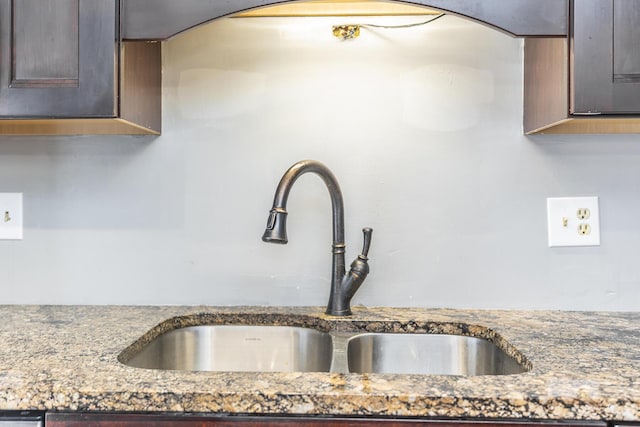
column 573, row 221
column 11, row 216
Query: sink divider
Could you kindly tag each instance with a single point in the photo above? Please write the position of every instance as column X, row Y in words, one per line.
column 339, row 362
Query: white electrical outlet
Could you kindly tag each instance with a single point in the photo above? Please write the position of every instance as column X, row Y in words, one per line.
column 573, row 221
column 11, row 216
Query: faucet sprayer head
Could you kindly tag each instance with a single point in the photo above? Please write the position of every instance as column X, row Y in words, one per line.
column 276, row 231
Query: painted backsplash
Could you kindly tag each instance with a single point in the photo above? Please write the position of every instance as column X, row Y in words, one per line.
column 422, row 127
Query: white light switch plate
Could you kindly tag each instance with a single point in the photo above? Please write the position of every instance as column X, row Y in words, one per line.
column 10, row 216
column 573, row 221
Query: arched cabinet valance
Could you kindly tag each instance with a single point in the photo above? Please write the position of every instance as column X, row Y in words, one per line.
column 162, row 19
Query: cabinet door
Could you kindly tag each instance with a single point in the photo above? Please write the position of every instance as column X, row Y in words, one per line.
column 190, row 420
column 58, row 58
column 605, row 48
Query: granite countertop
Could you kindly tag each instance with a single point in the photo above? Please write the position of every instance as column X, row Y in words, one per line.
column 585, row 366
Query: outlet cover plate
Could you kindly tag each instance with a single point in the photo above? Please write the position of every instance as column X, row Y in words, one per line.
column 565, row 217
column 10, row 216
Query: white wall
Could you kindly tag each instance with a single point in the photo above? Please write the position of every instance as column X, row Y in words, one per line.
column 422, row 127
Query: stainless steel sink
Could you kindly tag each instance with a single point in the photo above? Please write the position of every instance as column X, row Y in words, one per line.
column 256, row 348
column 427, row 354
column 237, row 348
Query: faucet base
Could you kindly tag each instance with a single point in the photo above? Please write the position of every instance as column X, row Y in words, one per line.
column 340, row 313
column 339, row 306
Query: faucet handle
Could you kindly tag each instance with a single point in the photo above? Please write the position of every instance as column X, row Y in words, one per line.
column 367, row 241
column 359, row 269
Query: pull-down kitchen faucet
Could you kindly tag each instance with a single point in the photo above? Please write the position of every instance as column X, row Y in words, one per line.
column 343, row 286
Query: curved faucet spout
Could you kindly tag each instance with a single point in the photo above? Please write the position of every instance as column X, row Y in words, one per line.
column 342, row 288
column 279, row 211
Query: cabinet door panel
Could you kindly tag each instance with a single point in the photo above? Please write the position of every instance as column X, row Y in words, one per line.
column 605, row 56
column 626, row 38
column 58, row 58
column 45, row 43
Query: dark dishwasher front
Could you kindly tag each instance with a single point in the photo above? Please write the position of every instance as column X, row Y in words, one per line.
column 21, row 419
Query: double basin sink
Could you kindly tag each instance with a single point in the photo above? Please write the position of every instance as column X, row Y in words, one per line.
column 256, row 348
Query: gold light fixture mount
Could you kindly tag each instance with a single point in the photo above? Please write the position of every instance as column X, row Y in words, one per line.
column 346, row 32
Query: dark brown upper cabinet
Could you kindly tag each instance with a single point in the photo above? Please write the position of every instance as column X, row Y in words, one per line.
column 590, row 82
column 65, row 70
column 606, row 57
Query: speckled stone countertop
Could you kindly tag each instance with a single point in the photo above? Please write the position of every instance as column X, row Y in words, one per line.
column 585, row 366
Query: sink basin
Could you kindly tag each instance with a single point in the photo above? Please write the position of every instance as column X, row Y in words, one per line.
column 260, row 348
column 427, row 354
column 237, row 348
